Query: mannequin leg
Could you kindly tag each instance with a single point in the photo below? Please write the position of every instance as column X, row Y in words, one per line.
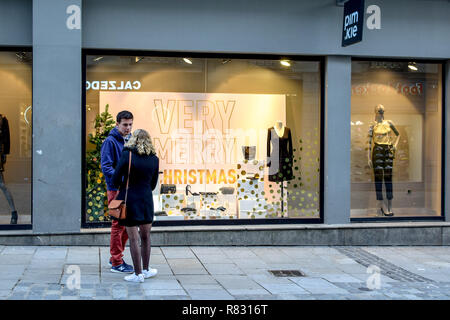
column 9, row 198
column 388, row 179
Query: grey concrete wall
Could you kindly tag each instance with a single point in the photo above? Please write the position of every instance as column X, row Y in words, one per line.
column 56, row 118
column 408, row 28
column 16, row 23
column 400, row 234
column 446, row 113
column 337, row 140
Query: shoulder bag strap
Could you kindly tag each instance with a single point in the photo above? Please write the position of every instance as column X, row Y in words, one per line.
column 128, row 179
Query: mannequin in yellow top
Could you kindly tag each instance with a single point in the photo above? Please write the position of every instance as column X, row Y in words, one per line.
column 381, row 157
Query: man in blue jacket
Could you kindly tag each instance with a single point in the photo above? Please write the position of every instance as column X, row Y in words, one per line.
column 110, row 155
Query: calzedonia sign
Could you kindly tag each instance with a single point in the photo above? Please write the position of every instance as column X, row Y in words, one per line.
column 353, row 22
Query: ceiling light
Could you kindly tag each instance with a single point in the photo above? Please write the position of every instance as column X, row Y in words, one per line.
column 285, row 63
column 97, row 59
column 412, row 66
column 188, row 61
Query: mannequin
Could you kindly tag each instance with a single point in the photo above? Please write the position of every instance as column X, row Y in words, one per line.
column 381, row 157
column 4, row 150
column 280, row 155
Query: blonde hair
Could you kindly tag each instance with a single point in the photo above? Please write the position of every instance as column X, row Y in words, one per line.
column 141, row 142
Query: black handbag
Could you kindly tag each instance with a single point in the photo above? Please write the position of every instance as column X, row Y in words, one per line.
column 168, row 188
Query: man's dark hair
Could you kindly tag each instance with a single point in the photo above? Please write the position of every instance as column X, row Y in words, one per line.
column 124, row 115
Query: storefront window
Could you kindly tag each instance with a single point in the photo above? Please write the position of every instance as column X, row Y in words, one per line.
column 15, row 137
column 236, row 138
column 396, row 146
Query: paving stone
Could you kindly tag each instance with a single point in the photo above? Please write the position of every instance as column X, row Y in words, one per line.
column 259, row 291
column 340, row 278
column 12, row 259
column 161, row 284
column 198, row 294
column 223, row 268
column 52, row 297
column 284, row 288
column 18, row 250
column 18, row 296
column 237, row 282
column 164, row 292
column 318, row 286
column 177, row 253
column 196, row 279
column 7, row 284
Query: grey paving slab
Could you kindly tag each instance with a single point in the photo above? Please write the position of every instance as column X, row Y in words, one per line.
column 165, row 292
column 196, row 279
column 25, row 250
column 199, row 294
column 177, row 253
column 269, row 278
column 50, row 253
column 318, row 286
column 213, row 258
column 250, row 263
column 12, row 259
column 157, row 259
column 340, row 278
column 239, row 253
column 202, row 251
column 260, row 291
column 283, row 288
column 223, row 268
column 186, row 266
column 7, row 284
column 161, row 284
column 237, row 282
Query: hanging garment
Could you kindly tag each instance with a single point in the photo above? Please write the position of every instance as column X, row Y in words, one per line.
column 280, row 155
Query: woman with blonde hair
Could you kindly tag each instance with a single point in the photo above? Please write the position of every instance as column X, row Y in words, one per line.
column 142, row 181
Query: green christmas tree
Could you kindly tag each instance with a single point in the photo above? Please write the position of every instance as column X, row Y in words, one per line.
column 96, row 201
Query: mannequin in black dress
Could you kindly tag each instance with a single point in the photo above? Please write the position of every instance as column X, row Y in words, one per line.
column 280, row 156
column 4, row 150
column 279, row 153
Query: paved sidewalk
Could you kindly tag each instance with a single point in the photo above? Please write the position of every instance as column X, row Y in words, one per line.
column 216, row 273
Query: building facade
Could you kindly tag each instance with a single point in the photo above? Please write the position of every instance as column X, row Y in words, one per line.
column 257, row 112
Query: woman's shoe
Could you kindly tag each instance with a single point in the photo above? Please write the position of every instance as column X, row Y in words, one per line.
column 387, row 214
column 149, row 273
column 135, row 278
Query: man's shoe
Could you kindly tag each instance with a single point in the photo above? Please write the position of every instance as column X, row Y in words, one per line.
column 123, row 268
column 149, row 273
column 110, row 263
column 134, row 278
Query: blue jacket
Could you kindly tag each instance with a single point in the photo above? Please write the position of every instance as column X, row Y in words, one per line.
column 110, row 155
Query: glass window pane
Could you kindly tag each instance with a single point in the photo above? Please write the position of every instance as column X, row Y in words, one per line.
column 15, row 137
column 396, row 132
column 212, row 124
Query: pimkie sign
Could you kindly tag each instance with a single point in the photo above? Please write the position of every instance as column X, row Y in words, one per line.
column 353, row 22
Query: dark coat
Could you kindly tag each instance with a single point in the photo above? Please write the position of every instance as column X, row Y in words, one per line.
column 110, row 154
column 143, row 180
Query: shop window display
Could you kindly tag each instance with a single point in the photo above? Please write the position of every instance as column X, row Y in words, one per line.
column 236, row 138
column 396, row 132
column 15, row 137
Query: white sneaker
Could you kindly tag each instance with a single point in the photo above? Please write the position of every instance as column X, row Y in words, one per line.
column 149, row 273
column 135, row 278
